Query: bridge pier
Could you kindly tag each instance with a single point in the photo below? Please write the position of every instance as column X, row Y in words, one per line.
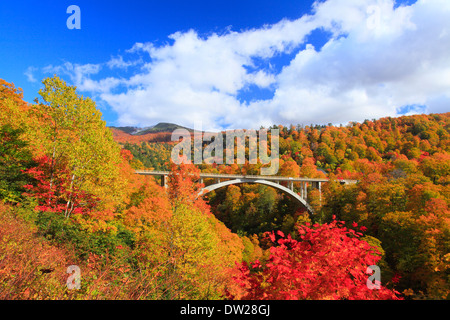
column 306, row 190
column 320, row 192
column 291, row 185
column 164, row 181
column 303, row 190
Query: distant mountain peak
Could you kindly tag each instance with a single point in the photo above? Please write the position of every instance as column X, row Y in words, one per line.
column 160, row 127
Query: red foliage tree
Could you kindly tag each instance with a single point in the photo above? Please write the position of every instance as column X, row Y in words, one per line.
column 52, row 194
column 329, row 262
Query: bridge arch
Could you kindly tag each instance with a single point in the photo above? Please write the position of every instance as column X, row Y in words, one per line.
column 275, row 185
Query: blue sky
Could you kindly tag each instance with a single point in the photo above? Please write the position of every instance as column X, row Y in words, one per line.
column 235, row 64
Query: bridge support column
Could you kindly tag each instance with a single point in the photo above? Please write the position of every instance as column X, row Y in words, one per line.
column 164, row 181
column 320, row 192
column 303, row 190
column 291, row 185
column 306, row 190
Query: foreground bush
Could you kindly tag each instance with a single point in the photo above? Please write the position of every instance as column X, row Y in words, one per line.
column 30, row 268
column 329, row 262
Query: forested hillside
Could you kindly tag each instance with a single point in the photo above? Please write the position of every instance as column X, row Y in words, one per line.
column 403, row 165
column 69, row 196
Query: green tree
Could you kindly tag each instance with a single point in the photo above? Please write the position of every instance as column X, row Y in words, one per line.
column 77, row 139
column 14, row 157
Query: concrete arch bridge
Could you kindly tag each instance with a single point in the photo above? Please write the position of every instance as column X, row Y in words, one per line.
column 277, row 182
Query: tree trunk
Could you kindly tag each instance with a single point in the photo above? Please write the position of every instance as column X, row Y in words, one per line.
column 69, row 202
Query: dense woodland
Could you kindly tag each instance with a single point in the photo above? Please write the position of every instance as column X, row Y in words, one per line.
column 69, row 196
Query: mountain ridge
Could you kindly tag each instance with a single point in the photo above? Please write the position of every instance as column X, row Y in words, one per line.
column 160, row 127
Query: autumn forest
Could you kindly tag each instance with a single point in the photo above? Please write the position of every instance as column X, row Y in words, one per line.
column 69, row 195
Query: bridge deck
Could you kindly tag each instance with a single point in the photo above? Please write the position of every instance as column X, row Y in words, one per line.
column 206, row 175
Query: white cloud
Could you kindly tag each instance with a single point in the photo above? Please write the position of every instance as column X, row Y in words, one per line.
column 261, row 79
column 29, row 74
column 378, row 59
column 78, row 73
column 118, row 62
column 373, row 70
